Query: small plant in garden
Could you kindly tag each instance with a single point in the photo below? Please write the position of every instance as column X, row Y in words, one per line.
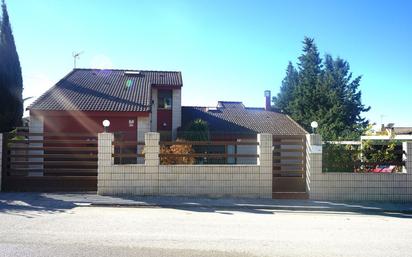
column 13, row 136
column 197, row 130
column 379, row 151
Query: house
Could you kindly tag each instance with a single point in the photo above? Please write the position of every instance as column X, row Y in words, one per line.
column 136, row 102
column 61, row 150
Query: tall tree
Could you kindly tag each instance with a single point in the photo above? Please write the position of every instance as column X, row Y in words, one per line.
column 326, row 92
column 11, row 82
column 305, row 102
column 343, row 118
column 284, row 97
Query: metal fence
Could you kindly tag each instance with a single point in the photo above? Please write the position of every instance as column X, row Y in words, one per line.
column 377, row 158
column 49, row 161
column 208, row 152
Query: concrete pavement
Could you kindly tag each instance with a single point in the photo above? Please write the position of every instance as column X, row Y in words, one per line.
column 65, row 228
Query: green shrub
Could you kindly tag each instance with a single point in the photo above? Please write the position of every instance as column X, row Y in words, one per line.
column 340, row 158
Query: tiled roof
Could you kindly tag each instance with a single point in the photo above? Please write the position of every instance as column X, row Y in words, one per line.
column 235, row 118
column 105, row 90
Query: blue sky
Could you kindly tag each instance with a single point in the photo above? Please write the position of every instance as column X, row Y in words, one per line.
column 226, row 50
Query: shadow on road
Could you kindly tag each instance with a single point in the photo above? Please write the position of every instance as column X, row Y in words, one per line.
column 31, row 205
column 261, row 206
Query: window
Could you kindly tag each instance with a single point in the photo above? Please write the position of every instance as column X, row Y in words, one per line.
column 231, row 149
column 164, row 99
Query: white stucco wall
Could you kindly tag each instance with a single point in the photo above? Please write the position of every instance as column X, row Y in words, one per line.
column 143, row 126
column 36, row 125
column 153, row 114
column 176, row 111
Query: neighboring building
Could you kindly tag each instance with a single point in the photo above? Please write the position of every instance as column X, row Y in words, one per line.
column 232, row 120
column 402, row 130
column 390, row 132
column 135, row 102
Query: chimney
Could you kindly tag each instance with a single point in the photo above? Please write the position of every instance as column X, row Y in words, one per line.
column 267, row 98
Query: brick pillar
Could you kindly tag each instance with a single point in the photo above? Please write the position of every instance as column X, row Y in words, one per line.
column 313, row 158
column 1, row 156
column 265, row 161
column 151, row 149
column 105, row 149
column 152, row 162
column 407, row 157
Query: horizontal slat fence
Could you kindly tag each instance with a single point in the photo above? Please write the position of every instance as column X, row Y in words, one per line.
column 289, row 164
column 50, row 161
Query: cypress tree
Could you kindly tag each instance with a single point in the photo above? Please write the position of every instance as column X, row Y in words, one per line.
column 11, row 82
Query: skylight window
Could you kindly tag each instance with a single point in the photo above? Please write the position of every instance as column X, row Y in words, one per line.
column 132, row 73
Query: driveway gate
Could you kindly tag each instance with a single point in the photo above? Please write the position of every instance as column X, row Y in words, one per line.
column 49, row 162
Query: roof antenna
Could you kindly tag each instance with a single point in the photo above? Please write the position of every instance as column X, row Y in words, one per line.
column 75, row 57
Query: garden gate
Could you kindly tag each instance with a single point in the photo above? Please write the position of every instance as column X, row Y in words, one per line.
column 289, row 167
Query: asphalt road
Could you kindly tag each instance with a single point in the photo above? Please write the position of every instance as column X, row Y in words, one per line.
column 104, row 231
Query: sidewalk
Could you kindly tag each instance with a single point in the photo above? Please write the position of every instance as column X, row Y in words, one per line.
column 71, row 200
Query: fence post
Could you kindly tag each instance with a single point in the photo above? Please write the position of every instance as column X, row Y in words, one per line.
column 313, row 158
column 407, row 156
column 265, row 161
column 105, row 160
column 104, row 149
column 151, row 149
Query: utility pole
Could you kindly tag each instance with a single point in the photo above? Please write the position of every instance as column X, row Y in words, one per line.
column 75, row 57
